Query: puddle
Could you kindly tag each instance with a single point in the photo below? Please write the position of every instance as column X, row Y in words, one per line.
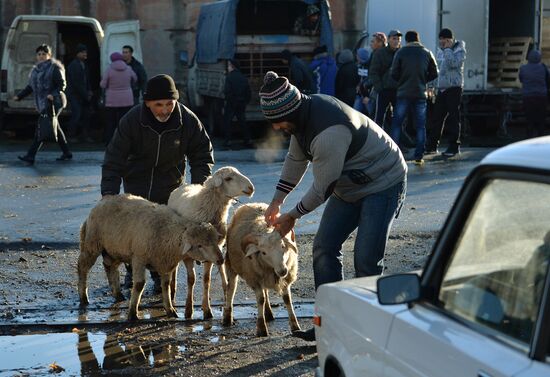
column 80, row 353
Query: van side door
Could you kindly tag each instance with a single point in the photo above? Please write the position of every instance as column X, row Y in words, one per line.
column 28, row 35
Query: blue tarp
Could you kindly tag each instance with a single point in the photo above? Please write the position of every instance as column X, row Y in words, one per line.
column 217, row 29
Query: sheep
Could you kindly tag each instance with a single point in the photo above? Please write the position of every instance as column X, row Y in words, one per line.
column 130, row 229
column 209, row 203
column 265, row 260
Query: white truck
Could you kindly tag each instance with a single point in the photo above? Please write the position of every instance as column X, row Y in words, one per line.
column 498, row 35
column 62, row 33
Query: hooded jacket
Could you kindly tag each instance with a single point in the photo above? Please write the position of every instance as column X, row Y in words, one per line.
column 152, row 164
column 534, row 76
column 324, row 70
column 117, row 82
column 347, row 78
column 450, row 62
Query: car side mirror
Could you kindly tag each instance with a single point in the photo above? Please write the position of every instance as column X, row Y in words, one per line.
column 398, row 289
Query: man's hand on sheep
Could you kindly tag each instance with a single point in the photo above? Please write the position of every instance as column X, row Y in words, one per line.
column 272, row 212
column 284, row 224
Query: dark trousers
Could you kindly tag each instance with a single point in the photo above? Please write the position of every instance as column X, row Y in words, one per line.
column 535, row 112
column 61, row 140
column 446, row 112
column 383, row 101
column 238, row 111
column 113, row 116
column 80, row 117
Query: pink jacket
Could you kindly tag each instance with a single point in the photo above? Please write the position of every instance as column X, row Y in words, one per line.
column 117, row 82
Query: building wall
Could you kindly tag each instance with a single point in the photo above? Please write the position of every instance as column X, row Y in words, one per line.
column 167, row 26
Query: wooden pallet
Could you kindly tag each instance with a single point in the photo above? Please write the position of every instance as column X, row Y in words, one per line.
column 506, row 55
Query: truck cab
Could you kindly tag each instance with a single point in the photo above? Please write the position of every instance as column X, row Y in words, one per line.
column 63, row 34
column 254, row 32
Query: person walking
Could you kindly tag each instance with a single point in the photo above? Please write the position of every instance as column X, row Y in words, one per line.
column 347, row 78
column 300, row 74
column 150, row 147
column 383, row 84
column 412, row 68
column 237, row 96
column 357, row 169
column 534, row 78
column 47, row 82
column 450, row 58
column 79, row 94
column 324, row 71
column 138, row 88
column 117, row 82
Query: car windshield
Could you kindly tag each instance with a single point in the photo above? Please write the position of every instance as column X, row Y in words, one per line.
column 497, row 271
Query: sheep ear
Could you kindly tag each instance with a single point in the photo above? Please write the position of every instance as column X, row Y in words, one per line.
column 291, row 235
column 251, row 249
column 247, row 240
column 217, row 181
column 290, row 244
column 186, row 248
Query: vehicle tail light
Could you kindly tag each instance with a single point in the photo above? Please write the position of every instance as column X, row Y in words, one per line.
column 316, row 320
column 4, row 80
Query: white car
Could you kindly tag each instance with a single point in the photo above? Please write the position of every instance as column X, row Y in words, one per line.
column 481, row 306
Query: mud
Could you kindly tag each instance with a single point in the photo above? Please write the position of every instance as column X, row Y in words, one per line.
column 42, row 329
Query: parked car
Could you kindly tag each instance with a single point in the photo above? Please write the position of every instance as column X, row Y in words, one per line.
column 481, row 305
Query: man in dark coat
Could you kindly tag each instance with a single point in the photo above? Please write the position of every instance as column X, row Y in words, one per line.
column 412, row 68
column 237, row 96
column 347, row 78
column 150, row 147
column 300, row 74
column 79, row 94
column 139, row 87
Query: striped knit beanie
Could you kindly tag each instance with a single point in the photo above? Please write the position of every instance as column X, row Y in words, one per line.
column 278, row 97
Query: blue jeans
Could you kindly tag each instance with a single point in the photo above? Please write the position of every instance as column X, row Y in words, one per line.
column 372, row 216
column 418, row 107
column 359, row 105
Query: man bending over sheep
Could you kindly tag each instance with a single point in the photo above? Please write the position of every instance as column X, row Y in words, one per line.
column 150, row 146
column 357, row 169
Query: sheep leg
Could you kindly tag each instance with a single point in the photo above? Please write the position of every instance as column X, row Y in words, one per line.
column 287, row 298
column 190, row 286
column 138, row 274
column 86, row 260
column 261, row 327
column 165, row 282
column 111, row 270
column 268, row 313
column 173, row 283
column 232, row 281
column 223, row 277
column 207, row 273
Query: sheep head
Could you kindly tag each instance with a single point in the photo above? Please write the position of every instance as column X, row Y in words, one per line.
column 230, row 182
column 201, row 243
column 271, row 249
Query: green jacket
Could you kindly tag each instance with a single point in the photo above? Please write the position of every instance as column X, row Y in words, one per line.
column 379, row 70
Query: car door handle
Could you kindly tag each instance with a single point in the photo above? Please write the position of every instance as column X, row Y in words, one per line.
column 483, row 374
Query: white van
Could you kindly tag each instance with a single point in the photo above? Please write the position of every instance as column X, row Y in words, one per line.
column 63, row 33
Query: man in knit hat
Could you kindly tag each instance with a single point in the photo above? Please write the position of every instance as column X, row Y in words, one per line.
column 357, row 168
column 149, row 148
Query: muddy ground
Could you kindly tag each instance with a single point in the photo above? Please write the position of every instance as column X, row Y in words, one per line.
column 38, row 295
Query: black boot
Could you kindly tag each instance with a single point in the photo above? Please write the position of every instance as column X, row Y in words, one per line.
column 65, row 157
column 29, row 160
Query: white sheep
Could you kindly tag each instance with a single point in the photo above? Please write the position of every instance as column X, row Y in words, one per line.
column 264, row 259
column 130, row 229
column 209, row 202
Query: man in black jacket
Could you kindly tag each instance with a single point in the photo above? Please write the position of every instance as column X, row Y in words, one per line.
column 139, row 87
column 413, row 67
column 79, row 94
column 237, row 96
column 300, row 74
column 150, row 147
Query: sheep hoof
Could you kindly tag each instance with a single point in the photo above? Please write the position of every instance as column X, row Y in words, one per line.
column 132, row 316
column 207, row 314
column 269, row 317
column 295, row 327
column 120, row 297
column 84, row 302
column 261, row 332
column 172, row 313
column 227, row 321
column 188, row 314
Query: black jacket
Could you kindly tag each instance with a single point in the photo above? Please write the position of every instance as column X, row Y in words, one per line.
column 413, row 67
column 347, row 79
column 301, row 76
column 237, row 90
column 380, row 69
column 150, row 164
column 141, row 83
column 78, row 80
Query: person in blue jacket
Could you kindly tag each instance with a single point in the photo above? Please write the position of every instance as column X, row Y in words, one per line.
column 324, row 71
